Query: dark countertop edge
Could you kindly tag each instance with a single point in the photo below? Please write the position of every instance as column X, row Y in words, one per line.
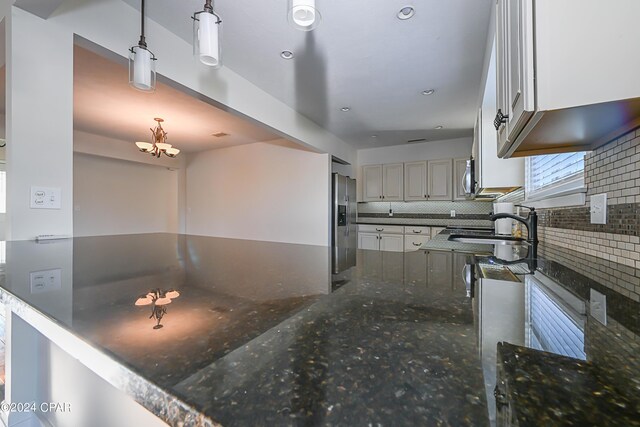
column 164, row 405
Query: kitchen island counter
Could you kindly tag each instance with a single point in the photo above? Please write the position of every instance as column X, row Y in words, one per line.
column 261, row 333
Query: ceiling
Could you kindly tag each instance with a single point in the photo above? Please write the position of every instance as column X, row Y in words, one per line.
column 361, row 56
column 105, row 104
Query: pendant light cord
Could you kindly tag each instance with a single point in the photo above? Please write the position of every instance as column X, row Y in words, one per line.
column 142, row 42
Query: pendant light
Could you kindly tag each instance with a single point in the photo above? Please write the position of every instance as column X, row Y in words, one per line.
column 142, row 68
column 303, row 15
column 206, row 36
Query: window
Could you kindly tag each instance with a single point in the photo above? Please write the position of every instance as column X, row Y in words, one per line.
column 554, row 175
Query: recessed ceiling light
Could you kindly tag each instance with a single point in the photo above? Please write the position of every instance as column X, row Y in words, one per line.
column 406, row 13
column 286, row 54
column 345, row 109
column 428, row 92
column 438, row 127
column 374, row 136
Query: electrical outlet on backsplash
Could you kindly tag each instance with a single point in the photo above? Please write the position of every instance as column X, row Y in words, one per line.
column 471, row 213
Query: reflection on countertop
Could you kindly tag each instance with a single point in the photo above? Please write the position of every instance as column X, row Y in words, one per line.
column 258, row 337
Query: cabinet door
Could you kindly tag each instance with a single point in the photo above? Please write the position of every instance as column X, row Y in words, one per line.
column 415, row 181
column 372, row 183
column 502, row 82
column 392, row 242
column 439, row 268
column 518, row 62
column 369, row 241
column 460, row 167
column 393, row 182
column 439, row 179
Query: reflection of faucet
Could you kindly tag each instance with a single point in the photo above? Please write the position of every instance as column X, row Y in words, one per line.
column 531, row 259
column 531, row 222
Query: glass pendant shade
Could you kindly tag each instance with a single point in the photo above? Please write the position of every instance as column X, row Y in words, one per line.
column 163, row 301
column 206, row 38
column 172, row 152
column 303, row 15
column 144, row 300
column 144, row 146
column 142, row 69
column 172, row 294
column 163, row 146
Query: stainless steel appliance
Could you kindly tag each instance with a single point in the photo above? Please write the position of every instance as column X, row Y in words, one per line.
column 469, row 179
column 344, row 236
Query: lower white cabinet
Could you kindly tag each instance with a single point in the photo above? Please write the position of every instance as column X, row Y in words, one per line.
column 381, row 238
column 392, row 242
column 370, row 241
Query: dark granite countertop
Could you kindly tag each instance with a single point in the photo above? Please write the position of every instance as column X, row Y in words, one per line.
column 262, row 334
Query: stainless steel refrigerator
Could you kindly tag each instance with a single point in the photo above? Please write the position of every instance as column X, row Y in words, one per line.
column 344, row 237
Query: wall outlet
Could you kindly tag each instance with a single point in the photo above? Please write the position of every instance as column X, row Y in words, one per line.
column 390, row 212
column 453, row 213
column 45, row 280
column 45, row 198
column 598, row 306
column 599, row 209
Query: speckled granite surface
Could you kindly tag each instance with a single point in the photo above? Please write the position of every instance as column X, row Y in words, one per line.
column 257, row 337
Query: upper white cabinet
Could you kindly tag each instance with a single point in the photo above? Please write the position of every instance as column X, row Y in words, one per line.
column 393, row 182
column 415, row 181
column 383, row 182
column 372, row 187
column 439, row 179
column 566, row 79
column 459, row 169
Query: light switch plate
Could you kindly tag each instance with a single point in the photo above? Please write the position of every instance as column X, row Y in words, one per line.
column 45, row 197
column 598, row 306
column 45, row 280
column 599, row 209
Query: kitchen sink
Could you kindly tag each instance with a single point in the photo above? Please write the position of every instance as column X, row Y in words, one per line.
column 483, row 239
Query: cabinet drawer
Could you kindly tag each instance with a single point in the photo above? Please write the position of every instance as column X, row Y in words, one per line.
column 413, row 243
column 418, row 231
column 388, row 229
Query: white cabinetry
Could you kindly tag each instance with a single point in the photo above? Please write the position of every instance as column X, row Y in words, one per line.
column 372, row 186
column 415, row 181
column 381, row 237
column 571, row 99
column 383, row 182
column 415, row 237
column 392, row 242
column 370, row 241
column 393, row 182
column 439, row 179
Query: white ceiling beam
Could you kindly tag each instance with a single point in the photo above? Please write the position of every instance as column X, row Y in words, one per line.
column 43, row 9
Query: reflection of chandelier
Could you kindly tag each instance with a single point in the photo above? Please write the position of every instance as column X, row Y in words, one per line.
column 158, row 300
column 159, row 145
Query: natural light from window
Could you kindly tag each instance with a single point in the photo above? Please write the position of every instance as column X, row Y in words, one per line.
column 554, row 175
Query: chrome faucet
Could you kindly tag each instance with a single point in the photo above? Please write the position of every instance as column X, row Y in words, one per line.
column 531, row 222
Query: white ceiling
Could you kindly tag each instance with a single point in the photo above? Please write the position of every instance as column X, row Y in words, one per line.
column 105, row 104
column 361, row 56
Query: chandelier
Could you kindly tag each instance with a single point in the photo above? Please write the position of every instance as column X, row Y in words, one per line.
column 158, row 300
column 159, row 145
